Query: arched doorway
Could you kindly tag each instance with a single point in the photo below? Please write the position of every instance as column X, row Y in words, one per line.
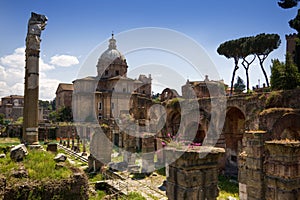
column 173, row 123
column 194, row 132
column 233, row 131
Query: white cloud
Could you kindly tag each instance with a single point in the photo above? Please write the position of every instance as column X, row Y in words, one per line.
column 64, row 60
column 12, row 72
column 16, row 59
column 48, row 88
column 44, row 66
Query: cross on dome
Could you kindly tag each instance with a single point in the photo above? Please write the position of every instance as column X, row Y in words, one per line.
column 112, row 42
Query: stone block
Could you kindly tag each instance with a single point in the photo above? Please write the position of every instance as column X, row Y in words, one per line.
column 242, row 191
column 255, row 192
column 255, row 175
column 60, row 157
column 254, row 163
column 52, row 147
column 18, row 152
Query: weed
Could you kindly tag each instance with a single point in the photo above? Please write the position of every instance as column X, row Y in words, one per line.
column 227, row 188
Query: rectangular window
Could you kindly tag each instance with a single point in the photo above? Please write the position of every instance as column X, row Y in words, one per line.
column 106, row 72
column 117, row 72
column 99, row 116
column 100, row 106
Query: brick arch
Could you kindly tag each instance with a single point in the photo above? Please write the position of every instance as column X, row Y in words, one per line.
column 168, row 94
column 173, row 122
column 238, row 104
column 194, row 125
column 233, row 130
column 194, row 132
column 287, row 127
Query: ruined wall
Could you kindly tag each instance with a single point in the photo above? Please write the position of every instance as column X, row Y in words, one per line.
column 75, row 187
column 192, row 176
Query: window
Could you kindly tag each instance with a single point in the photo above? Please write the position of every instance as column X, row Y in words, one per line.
column 117, row 72
column 100, row 116
column 112, row 105
column 106, row 72
column 100, row 106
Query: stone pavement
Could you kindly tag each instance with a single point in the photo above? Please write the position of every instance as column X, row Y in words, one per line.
column 147, row 187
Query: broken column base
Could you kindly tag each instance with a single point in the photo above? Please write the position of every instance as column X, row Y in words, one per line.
column 194, row 175
column 94, row 164
column 32, row 136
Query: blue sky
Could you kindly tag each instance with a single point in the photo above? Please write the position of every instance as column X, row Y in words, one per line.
column 75, row 28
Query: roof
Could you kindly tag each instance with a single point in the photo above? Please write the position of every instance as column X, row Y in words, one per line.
column 13, row 97
column 65, row 87
column 120, row 78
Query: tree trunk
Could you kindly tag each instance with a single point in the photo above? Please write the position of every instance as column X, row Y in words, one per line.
column 236, row 67
column 247, row 75
column 261, row 62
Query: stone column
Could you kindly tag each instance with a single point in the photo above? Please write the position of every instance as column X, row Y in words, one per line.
column 251, row 171
column 36, row 24
column 68, row 141
column 194, row 175
column 84, row 141
column 282, row 170
column 100, row 148
column 130, row 149
column 148, row 151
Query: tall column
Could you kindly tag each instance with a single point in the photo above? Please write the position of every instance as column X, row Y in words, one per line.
column 36, row 24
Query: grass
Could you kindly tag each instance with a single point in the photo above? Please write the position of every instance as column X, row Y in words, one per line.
column 7, row 165
column 41, row 166
column 7, row 141
column 94, row 178
column 100, row 195
column 133, row 196
column 227, row 188
column 161, row 171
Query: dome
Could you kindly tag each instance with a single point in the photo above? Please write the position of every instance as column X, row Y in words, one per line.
column 111, row 62
column 111, row 54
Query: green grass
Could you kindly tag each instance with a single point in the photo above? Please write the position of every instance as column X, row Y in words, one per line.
column 7, row 141
column 94, row 178
column 100, row 195
column 133, row 196
column 227, row 188
column 41, row 166
column 7, row 165
column 161, row 171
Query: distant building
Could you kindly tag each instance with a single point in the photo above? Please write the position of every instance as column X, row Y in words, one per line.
column 12, row 106
column 291, row 44
column 201, row 89
column 64, row 94
column 110, row 91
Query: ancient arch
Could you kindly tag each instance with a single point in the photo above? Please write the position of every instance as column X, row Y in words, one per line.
column 286, row 127
column 168, row 94
column 194, row 132
column 195, row 125
column 233, row 130
column 173, row 122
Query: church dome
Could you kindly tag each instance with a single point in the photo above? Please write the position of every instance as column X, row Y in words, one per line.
column 111, row 53
column 110, row 56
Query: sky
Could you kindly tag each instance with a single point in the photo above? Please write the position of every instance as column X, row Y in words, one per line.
column 76, row 29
